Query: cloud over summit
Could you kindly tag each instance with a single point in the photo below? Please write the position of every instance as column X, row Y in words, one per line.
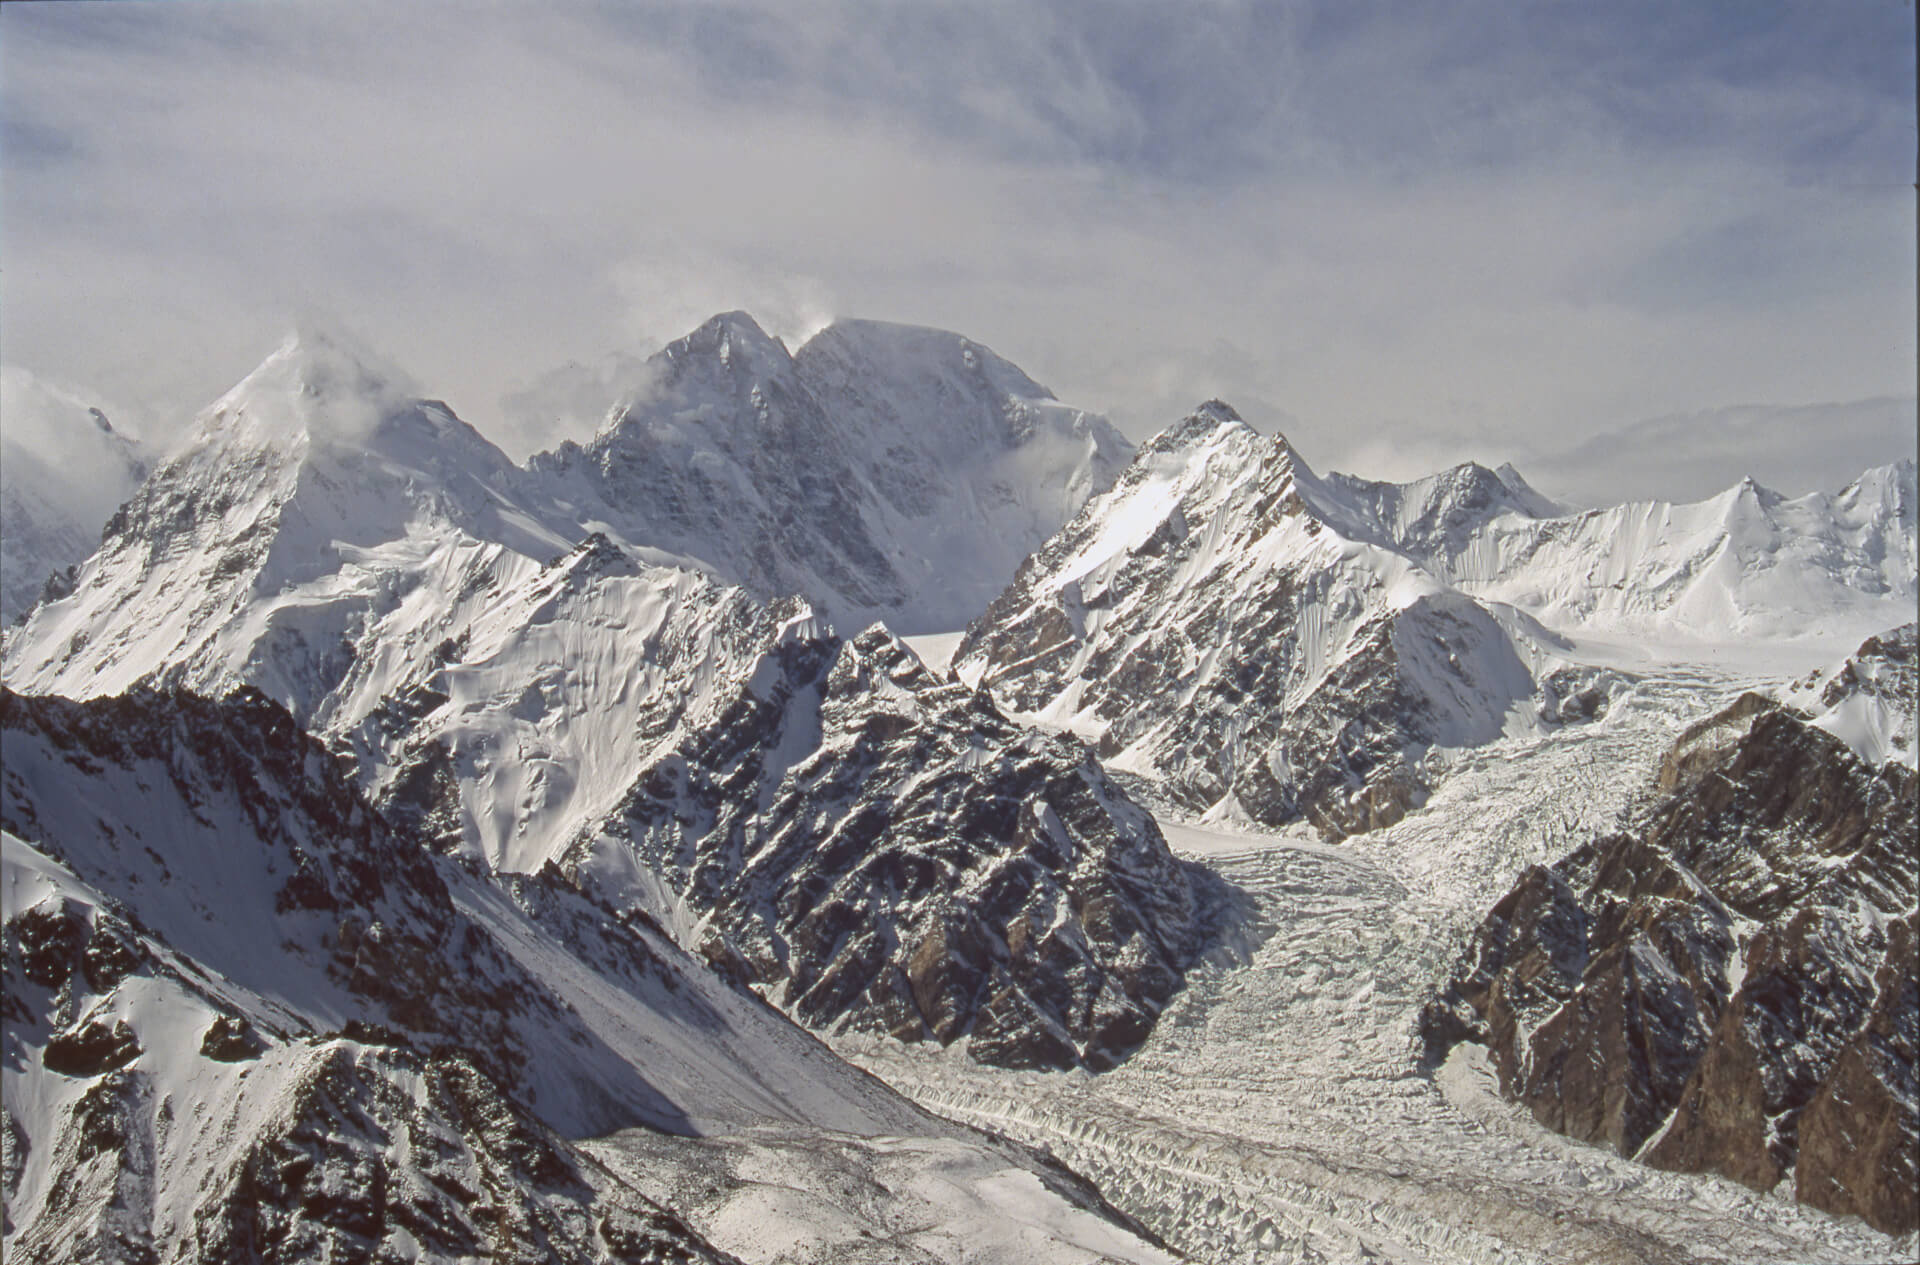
column 1489, row 227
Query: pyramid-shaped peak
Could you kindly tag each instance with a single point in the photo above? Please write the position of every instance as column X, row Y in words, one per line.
column 321, row 383
column 1213, row 420
column 1471, row 489
column 326, row 359
column 1219, row 412
column 1527, row 497
column 735, row 339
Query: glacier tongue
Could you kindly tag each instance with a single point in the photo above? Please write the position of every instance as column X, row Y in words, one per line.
column 548, row 673
column 1276, row 1112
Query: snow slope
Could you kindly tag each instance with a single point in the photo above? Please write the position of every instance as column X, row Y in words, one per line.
column 1267, row 643
column 1871, row 701
column 1277, row 1113
column 309, row 499
column 368, row 561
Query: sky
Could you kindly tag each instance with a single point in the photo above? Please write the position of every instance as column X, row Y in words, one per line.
column 1637, row 248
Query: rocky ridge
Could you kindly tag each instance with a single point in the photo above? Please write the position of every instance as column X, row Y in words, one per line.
column 1223, row 622
column 1871, row 700
column 366, row 559
column 884, row 850
column 1729, row 987
column 248, row 1020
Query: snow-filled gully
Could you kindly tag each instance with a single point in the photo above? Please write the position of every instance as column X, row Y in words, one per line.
column 1276, row 1114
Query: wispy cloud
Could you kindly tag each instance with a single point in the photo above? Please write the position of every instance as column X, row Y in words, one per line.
column 1476, row 230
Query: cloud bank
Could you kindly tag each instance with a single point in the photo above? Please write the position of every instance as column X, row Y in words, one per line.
column 1398, row 233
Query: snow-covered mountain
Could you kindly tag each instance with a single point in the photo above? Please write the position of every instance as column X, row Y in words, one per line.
column 312, row 497
column 1746, row 564
column 1730, row 985
column 869, row 844
column 1266, row 642
column 884, row 850
column 64, row 469
column 247, row 1019
column 578, row 756
column 368, row 561
column 1235, row 626
column 1438, row 515
column 884, row 471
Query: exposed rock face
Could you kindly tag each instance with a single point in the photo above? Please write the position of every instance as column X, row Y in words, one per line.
column 1871, row 702
column 231, row 1039
column 295, row 1034
column 659, row 767
column 349, row 1152
column 267, row 901
column 883, row 849
column 374, row 912
column 322, row 1149
column 384, row 1146
column 91, row 1049
column 501, row 678
column 249, row 853
column 1224, row 621
column 1730, row 988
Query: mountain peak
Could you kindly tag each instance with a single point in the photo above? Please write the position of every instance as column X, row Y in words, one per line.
column 1218, row 411
column 920, row 351
column 1212, row 418
column 327, row 361
column 319, row 384
column 737, row 341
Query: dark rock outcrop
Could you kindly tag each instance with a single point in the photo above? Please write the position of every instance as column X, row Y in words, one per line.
column 878, row 848
column 1730, row 987
column 404, row 1126
column 453, row 1165
column 231, row 1039
column 91, row 1049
